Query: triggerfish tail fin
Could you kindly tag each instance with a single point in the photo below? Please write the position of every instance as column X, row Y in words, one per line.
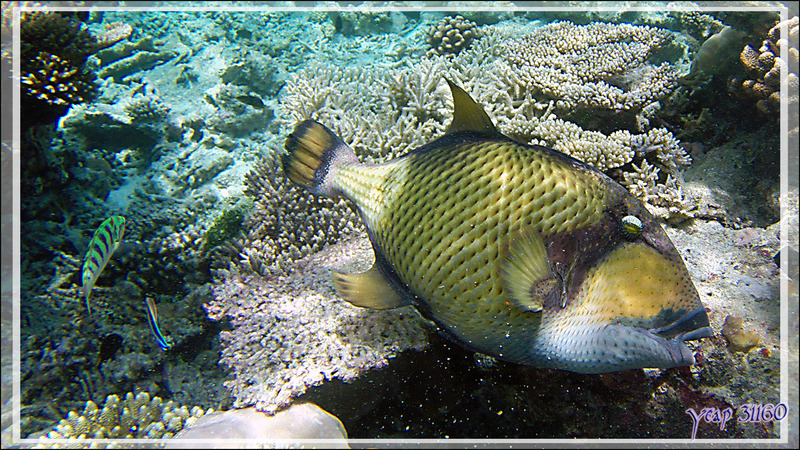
column 152, row 320
column 314, row 154
column 106, row 239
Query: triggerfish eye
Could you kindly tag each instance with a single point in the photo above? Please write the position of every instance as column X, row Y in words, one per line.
column 631, row 227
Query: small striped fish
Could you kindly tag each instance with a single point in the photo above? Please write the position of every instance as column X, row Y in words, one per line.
column 152, row 320
column 105, row 240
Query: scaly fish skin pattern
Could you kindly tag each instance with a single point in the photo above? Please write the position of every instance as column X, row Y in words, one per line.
column 446, row 221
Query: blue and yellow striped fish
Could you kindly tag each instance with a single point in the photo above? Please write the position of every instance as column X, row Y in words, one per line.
column 152, row 320
column 105, row 240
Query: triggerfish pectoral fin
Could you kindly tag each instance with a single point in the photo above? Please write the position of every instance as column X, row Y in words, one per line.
column 367, row 290
column 152, row 321
column 527, row 273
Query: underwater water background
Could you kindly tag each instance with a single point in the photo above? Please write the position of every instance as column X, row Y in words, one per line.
column 215, row 295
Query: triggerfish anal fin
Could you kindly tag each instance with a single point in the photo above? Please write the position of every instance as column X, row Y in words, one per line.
column 106, row 239
column 468, row 115
column 152, row 320
column 526, row 271
column 367, row 289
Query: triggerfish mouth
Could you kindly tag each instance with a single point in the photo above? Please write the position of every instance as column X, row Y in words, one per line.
column 513, row 250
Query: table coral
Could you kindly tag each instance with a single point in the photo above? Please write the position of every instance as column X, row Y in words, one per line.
column 289, row 333
column 595, row 66
column 384, row 114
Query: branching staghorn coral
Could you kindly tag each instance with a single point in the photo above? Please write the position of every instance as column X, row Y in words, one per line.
column 285, row 224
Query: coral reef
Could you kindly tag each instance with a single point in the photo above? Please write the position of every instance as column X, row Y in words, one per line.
column 193, row 101
column 764, row 66
column 291, row 332
column 53, row 53
column 595, row 66
column 452, row 35
column 135, row 416
column 285, row 223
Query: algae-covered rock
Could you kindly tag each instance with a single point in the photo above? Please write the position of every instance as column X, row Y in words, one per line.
column 739, row 339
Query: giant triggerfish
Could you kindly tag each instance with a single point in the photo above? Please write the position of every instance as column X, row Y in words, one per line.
column 513, row 250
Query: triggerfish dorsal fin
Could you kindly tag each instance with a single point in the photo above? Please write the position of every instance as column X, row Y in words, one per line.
column 526, row 272
column 367, row 289
column 467, row 114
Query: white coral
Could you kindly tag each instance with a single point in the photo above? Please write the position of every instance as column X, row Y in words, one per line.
column 593, row 66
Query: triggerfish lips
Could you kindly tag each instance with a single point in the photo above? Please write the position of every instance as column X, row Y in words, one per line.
column 635, row 308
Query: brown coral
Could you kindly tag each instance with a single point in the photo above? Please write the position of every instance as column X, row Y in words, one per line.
column 749, row 58
column 739, row 339
column 764, row 67
column 452, row 35
column 55, row 81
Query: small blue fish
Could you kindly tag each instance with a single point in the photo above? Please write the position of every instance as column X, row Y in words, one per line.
column 152, row 320
column 105, row 240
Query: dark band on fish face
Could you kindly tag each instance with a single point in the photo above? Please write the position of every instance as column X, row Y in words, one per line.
column 574, row 253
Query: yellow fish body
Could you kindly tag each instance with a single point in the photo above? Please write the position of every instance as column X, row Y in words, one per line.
column 513, row 250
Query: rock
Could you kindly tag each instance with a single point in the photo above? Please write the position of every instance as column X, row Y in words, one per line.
column 299, row 421
column 739, row 339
